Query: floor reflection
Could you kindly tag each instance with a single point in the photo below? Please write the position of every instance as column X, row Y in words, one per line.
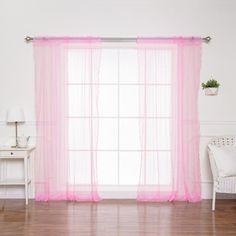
column 117, row 218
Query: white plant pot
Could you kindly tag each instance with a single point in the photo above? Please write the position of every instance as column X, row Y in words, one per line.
column 211, row 91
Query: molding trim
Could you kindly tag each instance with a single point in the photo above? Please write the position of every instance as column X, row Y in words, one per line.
column 222, row 122
column 31, row 123
column 202, row 122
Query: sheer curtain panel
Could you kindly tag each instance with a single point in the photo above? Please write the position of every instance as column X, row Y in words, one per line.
column 169, row 72
column 56, row 158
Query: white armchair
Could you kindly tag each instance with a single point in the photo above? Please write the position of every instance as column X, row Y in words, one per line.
column 221, row 184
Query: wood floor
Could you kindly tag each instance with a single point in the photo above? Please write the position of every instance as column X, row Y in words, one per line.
column 117, row 218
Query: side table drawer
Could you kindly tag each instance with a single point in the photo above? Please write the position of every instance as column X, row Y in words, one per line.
column 12, row 153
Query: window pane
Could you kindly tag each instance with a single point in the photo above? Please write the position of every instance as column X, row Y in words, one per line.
column 129, row 103
column 129, row 134
column 129, row 168
column 164, row 168
column 128, row 66
column 80, row 167
column 158, row 134
column 163, row 99
column 155, row 100
column 157, row 67
column 80, row 133
column 79, row 65
column 163, row 65
column 107, row 165
column 158, row 168
column 108, row 134
column 80, row 100
column 76, row 66
column 158, row 101
column 109, row 66
column 108, row 100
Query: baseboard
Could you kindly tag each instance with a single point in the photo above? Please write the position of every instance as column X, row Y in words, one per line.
column 206, row 193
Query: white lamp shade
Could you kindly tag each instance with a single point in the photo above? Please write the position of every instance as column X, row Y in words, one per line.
column 15, row 115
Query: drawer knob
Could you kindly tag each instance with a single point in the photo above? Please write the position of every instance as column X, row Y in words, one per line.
column 12, row 153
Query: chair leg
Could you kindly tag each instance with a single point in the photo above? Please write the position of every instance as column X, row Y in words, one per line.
column 213, row 199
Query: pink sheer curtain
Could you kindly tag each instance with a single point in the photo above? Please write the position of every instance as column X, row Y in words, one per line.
column 169, row 130
column 55, row 175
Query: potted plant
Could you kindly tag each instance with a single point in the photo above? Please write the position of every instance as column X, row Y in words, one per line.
column 211, row 87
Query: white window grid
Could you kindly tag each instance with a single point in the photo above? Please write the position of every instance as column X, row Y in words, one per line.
column 119, row 117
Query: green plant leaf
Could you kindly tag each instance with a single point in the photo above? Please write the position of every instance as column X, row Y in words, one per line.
column 210, row 84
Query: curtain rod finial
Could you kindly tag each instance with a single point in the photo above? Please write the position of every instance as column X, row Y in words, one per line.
column 207, row 39
column 28, row 39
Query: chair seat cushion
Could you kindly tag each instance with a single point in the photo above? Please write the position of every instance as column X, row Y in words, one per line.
column 225, row 159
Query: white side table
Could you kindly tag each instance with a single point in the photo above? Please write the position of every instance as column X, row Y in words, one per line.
column 8, row 153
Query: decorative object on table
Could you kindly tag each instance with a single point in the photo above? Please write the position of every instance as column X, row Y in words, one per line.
column 222, row 155
column 23, row 141
column 15, row 115
column 211, row 87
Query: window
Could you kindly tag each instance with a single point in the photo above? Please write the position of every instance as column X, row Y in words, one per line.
column 119, row 147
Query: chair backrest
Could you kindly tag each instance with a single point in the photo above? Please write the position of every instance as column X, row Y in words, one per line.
column 224, row 141
column 219, row 142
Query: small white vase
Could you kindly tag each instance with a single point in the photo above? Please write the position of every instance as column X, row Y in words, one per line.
column 22, row 141
column 211, row 91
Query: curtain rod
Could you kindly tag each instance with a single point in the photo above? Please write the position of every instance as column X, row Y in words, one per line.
column 120, row 39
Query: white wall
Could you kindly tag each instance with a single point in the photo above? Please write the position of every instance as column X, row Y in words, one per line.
column 216, row 18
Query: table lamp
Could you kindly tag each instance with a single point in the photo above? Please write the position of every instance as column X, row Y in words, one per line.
column 15, row 115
